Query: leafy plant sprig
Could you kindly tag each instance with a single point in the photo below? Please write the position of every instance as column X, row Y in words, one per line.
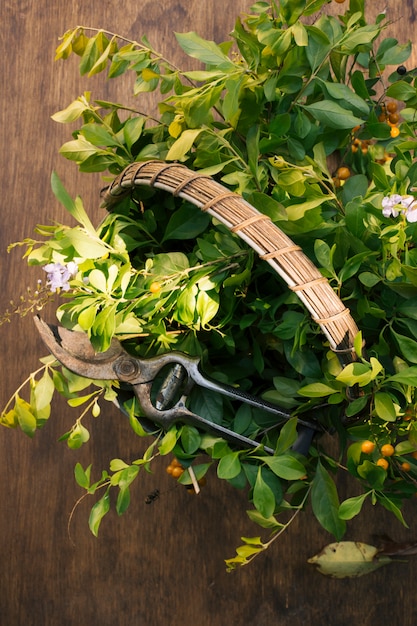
column 312, row 119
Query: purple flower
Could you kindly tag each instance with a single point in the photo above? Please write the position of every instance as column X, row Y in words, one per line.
column 58, row 275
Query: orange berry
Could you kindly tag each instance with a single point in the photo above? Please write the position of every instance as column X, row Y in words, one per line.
column 169, row 469
column 155, row 287
column 177, row 471
column 339, row 1
column 383, row 463
column 395, row 131
column 343, row 173
column 414, row 454
column 405, row 466
column 394, row 118
column 176, row 463
column 367, row 447
column 387, row 450
column 382, row 117
column 392, row 107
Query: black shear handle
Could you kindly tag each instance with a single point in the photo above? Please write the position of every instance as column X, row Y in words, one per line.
column 165, row 418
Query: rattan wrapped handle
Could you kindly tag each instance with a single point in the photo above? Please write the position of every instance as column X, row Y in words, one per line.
column 256, row 229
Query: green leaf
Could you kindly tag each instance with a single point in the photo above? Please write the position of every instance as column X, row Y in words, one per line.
column 333, row 115
column 183, row 144
column 401, row 90
column 325, row 503
column 339, row 91
column 74, row 207
column 360, row 373
column 117, row 464
column 71, row 113
column 287, row 436
column 319, row 47
column 82, row 476
column 85, row 245
column 352, row 506
column 95, row 47
column 169, row 441
column 229, row 466
column 79, row 400
column 324, row 254
column 207, row 306
column 407, row 346
column 78, row 435
column 43, row 393
column 132, row 130
column 97, row 135
column 355, row 41
column 285, row 466
column 373, row 474
column 25, row 416
column 384, row 407
column 391, row 506
column 98, row 511
column 79, row 149
column 186, row 223
column 263, row 496
column 207, row 52
column 270, row 522
column 395, row 54
column 317, row 390
column 123, row 500
column 190, row 439
column 405, row 377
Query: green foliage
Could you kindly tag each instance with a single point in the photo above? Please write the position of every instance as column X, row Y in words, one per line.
column 272, row 114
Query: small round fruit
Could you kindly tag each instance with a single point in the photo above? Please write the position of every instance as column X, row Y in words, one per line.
column 392, row 107
column 394, row 118
column 169, row 469
column 401, row 70
column 405, row 466
column 155, row 287
column 383, row 463
column 367, row 447
column 395, row 131
column 177, row 471
column 340, row 1
column 387, row 450
column 343, row 173
column 414, row 454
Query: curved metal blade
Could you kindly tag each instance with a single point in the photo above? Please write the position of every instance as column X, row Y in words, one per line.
column 75, row 352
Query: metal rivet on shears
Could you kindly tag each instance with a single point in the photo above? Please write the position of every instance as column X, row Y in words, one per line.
column 126, row 368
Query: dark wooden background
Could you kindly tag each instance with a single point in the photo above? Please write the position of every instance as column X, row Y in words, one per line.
column 159, row 564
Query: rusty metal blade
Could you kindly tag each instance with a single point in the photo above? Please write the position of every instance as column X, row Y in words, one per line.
column 75, row 352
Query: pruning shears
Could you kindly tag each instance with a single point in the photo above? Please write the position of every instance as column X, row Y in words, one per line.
column 161, row 384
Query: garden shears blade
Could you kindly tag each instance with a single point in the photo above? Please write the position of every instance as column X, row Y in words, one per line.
column 161, row 383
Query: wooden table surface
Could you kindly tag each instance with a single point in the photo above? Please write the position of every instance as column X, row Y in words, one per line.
column 159, row 564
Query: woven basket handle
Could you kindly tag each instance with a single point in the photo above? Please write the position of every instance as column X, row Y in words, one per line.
column 258, row 230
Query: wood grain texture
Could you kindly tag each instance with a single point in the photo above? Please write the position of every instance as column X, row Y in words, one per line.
column 159, row 564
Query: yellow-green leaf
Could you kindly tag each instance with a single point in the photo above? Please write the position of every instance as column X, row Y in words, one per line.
column 348, row 559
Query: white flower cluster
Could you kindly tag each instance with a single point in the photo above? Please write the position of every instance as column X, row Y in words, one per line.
column 58, row 275
column 395, row 204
